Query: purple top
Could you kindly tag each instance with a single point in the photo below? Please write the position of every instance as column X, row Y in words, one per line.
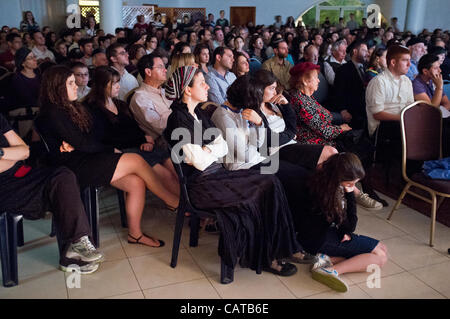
column 419, row 86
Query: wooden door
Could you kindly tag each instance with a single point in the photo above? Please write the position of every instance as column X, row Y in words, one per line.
column 242, row 15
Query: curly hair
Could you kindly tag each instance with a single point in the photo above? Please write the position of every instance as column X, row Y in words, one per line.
column 54, row 94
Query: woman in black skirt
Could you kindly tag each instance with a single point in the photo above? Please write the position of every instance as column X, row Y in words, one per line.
column 252, row 211
column 33, row 191
column 67, row 129
column 115, row 126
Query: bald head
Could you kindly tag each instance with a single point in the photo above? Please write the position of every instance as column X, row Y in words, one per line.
column 311, row 54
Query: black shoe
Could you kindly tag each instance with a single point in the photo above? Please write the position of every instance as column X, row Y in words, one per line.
column 212, row 228
column 287, row 269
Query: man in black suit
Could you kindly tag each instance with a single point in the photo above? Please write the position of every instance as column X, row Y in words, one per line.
column 349, row 89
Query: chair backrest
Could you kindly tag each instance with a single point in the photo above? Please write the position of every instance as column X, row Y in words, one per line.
column 421, row 125
column 177, row 161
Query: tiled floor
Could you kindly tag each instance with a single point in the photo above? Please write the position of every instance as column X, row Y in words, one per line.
column 414, row 269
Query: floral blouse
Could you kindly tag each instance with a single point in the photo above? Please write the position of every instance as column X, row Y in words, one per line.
column 313, row 121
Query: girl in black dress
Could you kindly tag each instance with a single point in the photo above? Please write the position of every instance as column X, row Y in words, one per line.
column 328, row 220
column 67, row 129
column 115, row 126
column 252, row 211
column 33, row 191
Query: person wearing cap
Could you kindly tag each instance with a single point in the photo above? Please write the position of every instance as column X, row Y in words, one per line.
column 418, row 49
column 314, row 122
column 25, row 87
column 278, row 64
column 444, row 61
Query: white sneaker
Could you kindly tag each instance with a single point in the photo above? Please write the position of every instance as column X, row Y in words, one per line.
column 368, row 203
column 84, row 269
column 85, row 251
column 329, row 278
column 322, row 261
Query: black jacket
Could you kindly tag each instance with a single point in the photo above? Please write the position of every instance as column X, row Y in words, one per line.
column 350, row 94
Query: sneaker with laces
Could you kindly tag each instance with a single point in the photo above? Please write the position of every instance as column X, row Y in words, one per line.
column 330, row 278
column 85, row 251
column 368, row 203
column 322, row 261
column 86, row 269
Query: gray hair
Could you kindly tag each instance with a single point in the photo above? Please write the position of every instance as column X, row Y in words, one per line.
column 337, row 44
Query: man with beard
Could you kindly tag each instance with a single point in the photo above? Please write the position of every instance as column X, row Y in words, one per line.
column 418, row 49
column 278, row 64
column 349, row 88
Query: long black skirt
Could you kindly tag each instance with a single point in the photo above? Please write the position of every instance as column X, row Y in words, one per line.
column 252, row 212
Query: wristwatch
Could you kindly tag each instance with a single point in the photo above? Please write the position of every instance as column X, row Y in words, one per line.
column 1, row 152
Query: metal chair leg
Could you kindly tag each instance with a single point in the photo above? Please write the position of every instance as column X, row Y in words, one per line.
column 433, row 217
column 122, row 209
column 399, row 201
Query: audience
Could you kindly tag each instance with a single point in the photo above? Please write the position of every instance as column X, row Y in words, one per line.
column 67, row 129
column 121, row 116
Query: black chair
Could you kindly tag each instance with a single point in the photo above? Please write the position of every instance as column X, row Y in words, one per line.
column 185, row 205
column 11, row 236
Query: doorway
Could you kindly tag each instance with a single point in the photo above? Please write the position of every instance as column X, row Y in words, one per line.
column 242, row 15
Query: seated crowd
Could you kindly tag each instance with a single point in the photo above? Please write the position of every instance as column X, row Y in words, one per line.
column 278, row 130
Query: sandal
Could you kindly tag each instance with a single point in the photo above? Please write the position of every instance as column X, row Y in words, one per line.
column 286, row 270
column 137, row 241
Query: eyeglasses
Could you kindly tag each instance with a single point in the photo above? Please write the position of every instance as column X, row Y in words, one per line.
column 159, row 67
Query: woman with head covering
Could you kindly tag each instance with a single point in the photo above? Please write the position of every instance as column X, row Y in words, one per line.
column 252, row 210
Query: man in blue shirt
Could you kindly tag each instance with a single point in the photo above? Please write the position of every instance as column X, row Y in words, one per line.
column 219, row 77
column 418, row 49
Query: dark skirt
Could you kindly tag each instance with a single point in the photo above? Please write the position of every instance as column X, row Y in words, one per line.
column 252, row 212
column 25, row 195
column 94, row 169
column 304, row 155
column 358, row 245
column 157, row 156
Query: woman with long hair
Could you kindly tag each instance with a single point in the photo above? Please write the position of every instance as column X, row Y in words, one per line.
column 68, row 130
column 115, row 126
column 240, row 65
column 252, row 211
column 327, row 223
column 202, row 55
column 179, row 60
column 135, row 52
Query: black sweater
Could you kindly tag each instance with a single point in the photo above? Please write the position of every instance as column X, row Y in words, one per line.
column 312, row 226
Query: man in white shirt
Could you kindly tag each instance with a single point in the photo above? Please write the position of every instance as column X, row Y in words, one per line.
column 149, row 104
column 337, row 58
column 118, row 59
column 389, row 92
column 40, row 50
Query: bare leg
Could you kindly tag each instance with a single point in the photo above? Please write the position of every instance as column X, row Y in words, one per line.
column 359, row 263
column 134, row 164
column 134, row 186
column 167, row 178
